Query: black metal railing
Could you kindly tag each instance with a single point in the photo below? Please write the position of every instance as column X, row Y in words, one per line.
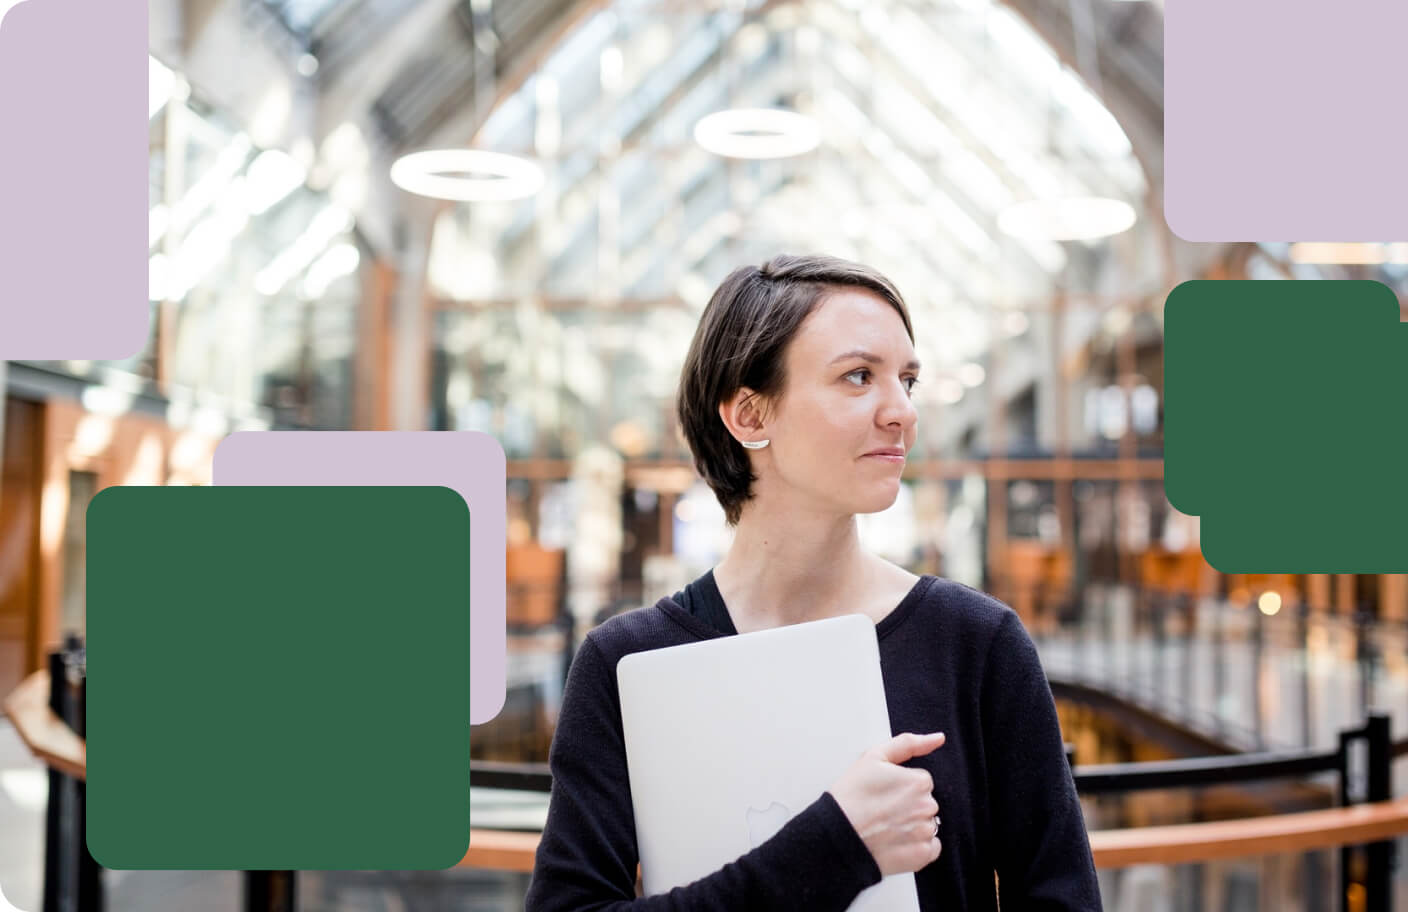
column 1208, row 662
column 1362, row 761
column 72, row 879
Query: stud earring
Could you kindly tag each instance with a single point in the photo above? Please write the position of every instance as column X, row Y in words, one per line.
column 754, row 444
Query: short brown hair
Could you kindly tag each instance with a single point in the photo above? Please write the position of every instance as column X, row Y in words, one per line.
column 741, row 339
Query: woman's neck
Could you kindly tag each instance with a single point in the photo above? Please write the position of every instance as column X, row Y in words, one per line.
column 788, row 569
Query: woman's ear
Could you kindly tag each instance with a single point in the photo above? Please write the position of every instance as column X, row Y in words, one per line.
column 741, row 414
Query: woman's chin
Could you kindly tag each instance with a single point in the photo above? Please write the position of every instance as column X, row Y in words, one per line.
column 879, row 497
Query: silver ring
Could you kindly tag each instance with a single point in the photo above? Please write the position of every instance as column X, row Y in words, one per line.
column 936, row 825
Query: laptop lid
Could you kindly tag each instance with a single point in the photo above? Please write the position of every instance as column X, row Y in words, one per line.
column 727, row 739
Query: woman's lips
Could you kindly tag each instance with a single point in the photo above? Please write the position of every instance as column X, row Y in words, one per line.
column 898, row 460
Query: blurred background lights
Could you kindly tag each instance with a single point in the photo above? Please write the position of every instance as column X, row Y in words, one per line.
column 337, row 262
column 1015, row 323
column 1349, row 254
column 948, row 390
column 272, row 176
column 971, row 374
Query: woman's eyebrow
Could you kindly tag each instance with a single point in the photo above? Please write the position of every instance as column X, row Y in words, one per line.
column 868, row 357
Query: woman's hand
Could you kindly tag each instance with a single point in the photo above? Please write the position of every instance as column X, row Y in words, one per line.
column 892, row 807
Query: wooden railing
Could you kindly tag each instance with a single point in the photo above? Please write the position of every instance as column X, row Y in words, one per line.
column 1180, row 844
column 44, row 733
column 1275, row 835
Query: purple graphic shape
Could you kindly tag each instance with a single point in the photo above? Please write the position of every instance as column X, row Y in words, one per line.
column 1282, row 121
column 73, row 180
column 470, row 462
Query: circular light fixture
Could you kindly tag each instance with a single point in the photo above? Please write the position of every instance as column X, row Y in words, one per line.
column 466, row 175
column 1074, row 218
column 757, row 133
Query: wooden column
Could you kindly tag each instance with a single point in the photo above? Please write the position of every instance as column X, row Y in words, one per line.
column 666, row 506
column 129, row 449
column 1318, row 592
column 1068, row 550
column 1126, row 366
column 1393, row 597
column 1344, row 594
column 372, row 402
column 996, row 476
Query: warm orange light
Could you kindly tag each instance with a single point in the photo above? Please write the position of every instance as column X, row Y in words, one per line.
column 1343, row 254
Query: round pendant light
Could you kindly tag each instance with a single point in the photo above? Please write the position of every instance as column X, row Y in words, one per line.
column 1075, row 218
column 467, row 175
column 757, row 133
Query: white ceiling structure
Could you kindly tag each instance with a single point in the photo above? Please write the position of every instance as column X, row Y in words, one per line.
column 936, row 120
column 939, row 121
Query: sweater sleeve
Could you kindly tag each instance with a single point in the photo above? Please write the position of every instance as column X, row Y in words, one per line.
column 1043, row 852
column 587, row 857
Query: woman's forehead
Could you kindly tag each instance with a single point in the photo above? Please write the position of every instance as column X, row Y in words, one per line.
column 854, row 320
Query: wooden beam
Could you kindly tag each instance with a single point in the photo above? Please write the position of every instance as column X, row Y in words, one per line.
column 501, row 850
column 926, row 469
column 1274, row 835
column 1179, row 844
column 1073, row 302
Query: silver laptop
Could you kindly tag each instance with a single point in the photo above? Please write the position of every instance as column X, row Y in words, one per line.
column 727, row 739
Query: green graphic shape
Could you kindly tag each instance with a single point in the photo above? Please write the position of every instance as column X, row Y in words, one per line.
column 1286, row 428
column 278, row 678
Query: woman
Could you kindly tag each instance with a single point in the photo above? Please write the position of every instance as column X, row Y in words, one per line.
column 795, row 400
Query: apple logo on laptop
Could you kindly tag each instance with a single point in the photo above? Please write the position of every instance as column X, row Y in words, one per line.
column 763, row 824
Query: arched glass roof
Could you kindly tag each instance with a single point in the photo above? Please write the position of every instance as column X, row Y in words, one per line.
column 935, row 119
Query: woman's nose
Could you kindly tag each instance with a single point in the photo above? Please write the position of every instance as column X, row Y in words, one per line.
column 899, row 407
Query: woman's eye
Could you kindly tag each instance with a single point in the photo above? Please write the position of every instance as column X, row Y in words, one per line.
column 911, row 381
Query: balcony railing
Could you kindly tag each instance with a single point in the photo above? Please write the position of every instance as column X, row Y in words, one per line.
column 1354, row 838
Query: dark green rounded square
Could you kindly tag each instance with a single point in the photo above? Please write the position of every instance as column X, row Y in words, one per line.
column 1284, row 428
column 278, row 678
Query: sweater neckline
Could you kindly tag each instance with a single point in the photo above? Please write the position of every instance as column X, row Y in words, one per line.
column 888, row 623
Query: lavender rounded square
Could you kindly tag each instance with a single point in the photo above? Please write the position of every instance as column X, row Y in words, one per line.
column 1281, row 120
column 73, row 179
column 469, row 462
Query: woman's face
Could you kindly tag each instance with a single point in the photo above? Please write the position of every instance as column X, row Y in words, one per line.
column 850, row 373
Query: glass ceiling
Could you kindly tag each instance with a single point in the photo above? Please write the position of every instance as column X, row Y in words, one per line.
column 935, row 117
column 933, row 121
column 302, row 16
column 259, row 271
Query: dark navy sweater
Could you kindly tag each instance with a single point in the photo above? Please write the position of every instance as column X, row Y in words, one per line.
column 953, row 660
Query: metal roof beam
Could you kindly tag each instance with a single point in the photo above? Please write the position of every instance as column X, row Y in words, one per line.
column 354, row 89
